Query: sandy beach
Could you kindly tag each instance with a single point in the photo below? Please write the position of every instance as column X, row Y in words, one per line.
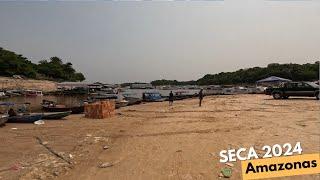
column 12, row 83
column 155, row 141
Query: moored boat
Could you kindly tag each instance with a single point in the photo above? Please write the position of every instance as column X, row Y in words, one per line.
column 121, row 103
column 3, row 120
column 132, row 98
column 25, row 118
column 152, row 97
column 63, row 108
column 56, row 115
column 49, row 106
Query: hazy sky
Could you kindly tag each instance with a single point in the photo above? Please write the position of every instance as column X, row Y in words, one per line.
column 143, row 41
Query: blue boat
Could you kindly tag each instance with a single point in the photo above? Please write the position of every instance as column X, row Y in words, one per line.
column 21, row 116
column 152, row 97
column 25, row 118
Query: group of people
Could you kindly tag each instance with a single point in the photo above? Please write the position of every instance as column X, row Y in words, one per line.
column 200, row 95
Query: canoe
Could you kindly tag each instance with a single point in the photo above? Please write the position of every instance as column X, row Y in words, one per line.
column 61, row 108
column 56, row 115
column 3, row 120
column 29, row 118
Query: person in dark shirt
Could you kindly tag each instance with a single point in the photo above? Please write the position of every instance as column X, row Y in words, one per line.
column 12, row 112
column 143, row 96
column 200, row 97
column 170, row 98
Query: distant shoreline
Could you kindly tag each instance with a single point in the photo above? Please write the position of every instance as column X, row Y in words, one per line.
column 13, row 83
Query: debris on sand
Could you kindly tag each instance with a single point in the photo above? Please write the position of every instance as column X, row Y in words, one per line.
column 106, row 147
column 59, row 155
column 105, row 165
column 179, row 150
column 229, row 164
column 45, row 142
column 226, row 172
column 39, row 122
column 70, row 156
column 100, row 139
column 14, row 167
column 55, row 173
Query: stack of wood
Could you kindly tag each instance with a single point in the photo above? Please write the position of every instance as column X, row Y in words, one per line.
column 100, row 110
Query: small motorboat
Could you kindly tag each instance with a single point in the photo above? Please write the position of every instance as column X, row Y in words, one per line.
column 49, row 106
column 121, row 103
column 152, row 97
column 3, row 120
column 56, row 115
column 25, row 118
column 132, row 98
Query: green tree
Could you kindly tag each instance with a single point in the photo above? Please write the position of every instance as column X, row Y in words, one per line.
column 54, row 69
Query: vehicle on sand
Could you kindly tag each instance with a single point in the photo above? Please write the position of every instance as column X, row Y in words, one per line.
column 285, row 90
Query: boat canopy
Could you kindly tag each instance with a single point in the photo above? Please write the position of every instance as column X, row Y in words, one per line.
column 273, row 79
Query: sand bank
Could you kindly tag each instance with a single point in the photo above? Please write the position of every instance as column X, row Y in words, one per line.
column 155, row 141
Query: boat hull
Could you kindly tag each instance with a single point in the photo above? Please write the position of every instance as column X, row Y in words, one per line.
column 25, row 118
column 74, row 110
column 56, row 115
column 3, row 120
column 121, row 104
column 133, row 100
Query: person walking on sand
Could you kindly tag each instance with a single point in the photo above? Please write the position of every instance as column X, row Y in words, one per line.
column 170, row 98
column 200, row 97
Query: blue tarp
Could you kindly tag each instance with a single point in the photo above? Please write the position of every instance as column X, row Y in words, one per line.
column 6, row 104
column 273, row 79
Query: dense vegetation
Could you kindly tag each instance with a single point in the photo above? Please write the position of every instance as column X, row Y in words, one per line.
column 295, row 72
column 53, row 69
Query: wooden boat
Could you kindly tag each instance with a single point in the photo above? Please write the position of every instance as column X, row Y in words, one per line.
column 3, row 120
column 49, row 106
column 63, row 108
column 26, row 118
column 56, row 115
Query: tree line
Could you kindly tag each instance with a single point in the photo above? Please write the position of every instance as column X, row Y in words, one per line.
column 295, row 72
column 52, row 69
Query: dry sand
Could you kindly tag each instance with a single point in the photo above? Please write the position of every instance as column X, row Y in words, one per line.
column 155, row 141
column 12, row 83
